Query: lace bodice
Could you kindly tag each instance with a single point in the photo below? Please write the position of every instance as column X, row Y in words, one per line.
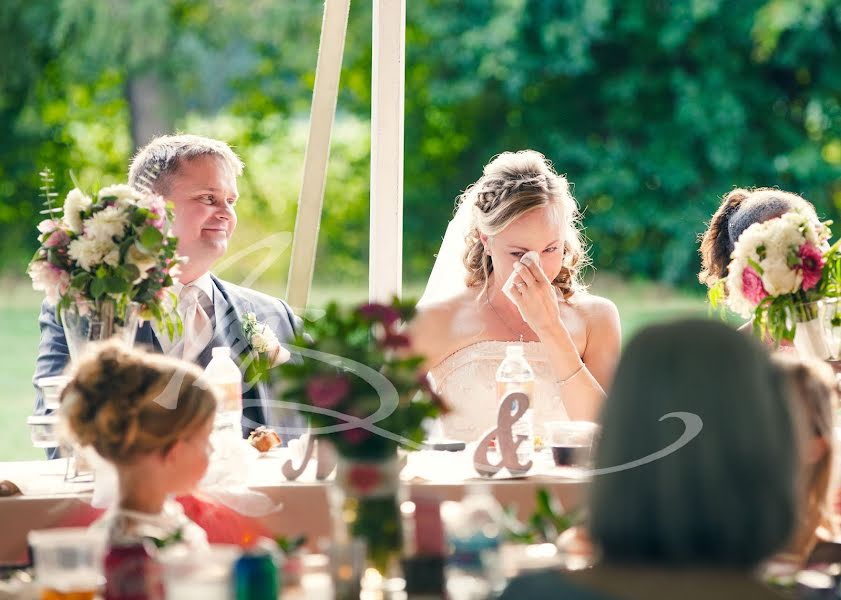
column 467, row 381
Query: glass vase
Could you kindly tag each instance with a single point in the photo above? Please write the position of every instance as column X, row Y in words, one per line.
column 94, row 320
column 365, row 504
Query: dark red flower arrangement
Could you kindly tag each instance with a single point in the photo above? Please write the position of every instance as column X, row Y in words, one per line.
column 372, row 335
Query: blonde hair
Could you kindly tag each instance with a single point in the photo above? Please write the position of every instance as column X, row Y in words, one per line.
column 161, row 158
column 126, row 403
column 741, row 208
column 512, row 184
column 815, row 397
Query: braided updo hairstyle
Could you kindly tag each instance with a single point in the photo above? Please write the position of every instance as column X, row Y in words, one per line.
column 740, row 209
column 126, row 403
column 512, row 184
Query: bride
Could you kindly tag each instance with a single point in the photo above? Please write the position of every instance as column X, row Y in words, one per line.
column 508, row 272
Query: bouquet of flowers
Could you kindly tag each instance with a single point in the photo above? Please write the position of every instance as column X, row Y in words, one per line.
column 114, row 248
column 356, row 367
column 362, row 391
column 778, row 270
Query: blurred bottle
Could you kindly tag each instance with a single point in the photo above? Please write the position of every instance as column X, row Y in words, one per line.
column 474, row 530
column 515, row 375
column 223, row 373
column 131, row 572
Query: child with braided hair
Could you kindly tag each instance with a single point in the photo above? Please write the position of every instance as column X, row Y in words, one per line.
column 151, row 417
column 509, row 272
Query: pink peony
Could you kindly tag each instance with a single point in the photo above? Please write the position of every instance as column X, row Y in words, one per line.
column 47, row 226
column 752, row 286
column 327, row 392
column 57, row 238
column 363, row 478
column 380, row 312
column 50, row 279
column 355, row 436
column 811, row 265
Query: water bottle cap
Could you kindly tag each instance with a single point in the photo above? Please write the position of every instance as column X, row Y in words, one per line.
column 221, row 351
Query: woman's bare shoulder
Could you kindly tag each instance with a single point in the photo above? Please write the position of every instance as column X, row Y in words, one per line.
column 435, row 329
column 594, row 308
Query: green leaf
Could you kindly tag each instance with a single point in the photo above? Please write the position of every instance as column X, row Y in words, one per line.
column 116, row 285
column 150, row 238
column 97, row 288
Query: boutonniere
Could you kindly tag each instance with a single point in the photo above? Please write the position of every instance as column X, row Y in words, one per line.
column 263, row 340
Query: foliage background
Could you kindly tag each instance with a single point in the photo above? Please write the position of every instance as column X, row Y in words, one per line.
column 654, row 109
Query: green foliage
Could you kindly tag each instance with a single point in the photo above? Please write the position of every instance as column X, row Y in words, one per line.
column 653, row 109
column 544, row 525
column 334, row 378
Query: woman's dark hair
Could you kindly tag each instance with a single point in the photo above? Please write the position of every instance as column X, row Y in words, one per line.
column 740, row 209
column 729, row 496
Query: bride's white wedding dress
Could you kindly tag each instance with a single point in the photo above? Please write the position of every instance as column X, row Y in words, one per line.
column 467, row 381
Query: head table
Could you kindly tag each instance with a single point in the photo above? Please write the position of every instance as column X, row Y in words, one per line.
column 300, row 507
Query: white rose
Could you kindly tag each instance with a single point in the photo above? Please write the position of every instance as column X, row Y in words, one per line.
column 74, row 204
column 259, row 342
column 88, row 252
column 778, row 278
column 125, row 194
column 736, row 300
column 108, row 223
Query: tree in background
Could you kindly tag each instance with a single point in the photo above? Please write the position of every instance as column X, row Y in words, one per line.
column 654, row 109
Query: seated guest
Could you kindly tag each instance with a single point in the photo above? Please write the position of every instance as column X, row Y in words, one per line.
column 696, row 522
column 509, row 273
column 740, row 209
column 151, row 417
column 814, row 394
column 199, row 176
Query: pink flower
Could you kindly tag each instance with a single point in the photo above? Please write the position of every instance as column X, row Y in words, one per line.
column 380, row 312
column 752, row 286
column 395, row 340
column 363, row 478
column 356, row 435
column 47, row 226
column 49, row 279
column 327, row 392
column 811, row 265
column 57, row 238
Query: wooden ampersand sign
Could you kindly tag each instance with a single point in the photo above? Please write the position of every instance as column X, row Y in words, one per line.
column 506, row 442
column 325, row 457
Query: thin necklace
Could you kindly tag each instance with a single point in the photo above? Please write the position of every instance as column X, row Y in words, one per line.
column 503, row 321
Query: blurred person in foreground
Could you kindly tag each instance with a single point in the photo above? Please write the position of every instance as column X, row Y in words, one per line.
column 698, row 521
column 815, row 396
column 198, row 175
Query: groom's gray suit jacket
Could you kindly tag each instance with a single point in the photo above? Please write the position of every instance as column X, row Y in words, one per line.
column 231, row 303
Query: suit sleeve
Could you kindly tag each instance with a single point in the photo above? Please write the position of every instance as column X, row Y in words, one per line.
column 53, row 354
column 53, row 357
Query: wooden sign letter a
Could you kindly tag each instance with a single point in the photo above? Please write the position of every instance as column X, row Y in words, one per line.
column 506, row 442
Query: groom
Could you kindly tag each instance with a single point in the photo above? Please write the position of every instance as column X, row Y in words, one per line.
column 199, row 176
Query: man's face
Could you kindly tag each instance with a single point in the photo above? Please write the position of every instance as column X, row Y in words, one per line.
column 204, row 193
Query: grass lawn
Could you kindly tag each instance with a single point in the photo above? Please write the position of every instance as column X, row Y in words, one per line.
column 639, row 303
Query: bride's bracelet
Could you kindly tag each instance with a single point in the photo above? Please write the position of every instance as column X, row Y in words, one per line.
column 577, row 371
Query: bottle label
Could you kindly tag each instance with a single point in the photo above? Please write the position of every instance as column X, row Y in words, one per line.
column 230, row 396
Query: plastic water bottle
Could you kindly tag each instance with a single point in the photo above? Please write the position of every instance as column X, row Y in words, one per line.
column 474, row 528
column 515, row 375
column 223, row 373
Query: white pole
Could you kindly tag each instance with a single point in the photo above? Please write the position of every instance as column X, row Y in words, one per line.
column 387, row 90
column 324, row 95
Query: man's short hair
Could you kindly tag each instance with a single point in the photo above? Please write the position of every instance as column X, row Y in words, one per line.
column 161, row 158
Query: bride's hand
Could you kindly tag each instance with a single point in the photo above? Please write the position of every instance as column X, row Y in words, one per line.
column 533, row 294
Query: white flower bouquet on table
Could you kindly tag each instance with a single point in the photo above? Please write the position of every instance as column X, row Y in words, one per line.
column 114, row 250
column 780, row 272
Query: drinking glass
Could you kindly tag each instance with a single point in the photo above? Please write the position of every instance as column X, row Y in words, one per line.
column 571, row 442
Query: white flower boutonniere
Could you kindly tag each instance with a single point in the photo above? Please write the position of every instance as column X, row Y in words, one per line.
column 263, row 340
